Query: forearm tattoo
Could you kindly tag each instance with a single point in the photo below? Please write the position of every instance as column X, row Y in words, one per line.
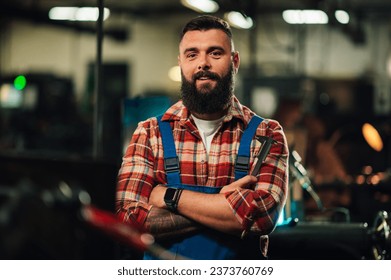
column 163, row 224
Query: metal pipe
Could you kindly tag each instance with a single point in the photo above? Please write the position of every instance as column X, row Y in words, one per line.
column 98, row 114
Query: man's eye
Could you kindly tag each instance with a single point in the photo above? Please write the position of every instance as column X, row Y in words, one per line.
column 216, row 53
column 191, row 55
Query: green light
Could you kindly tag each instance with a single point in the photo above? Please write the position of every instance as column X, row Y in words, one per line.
column 20, row 82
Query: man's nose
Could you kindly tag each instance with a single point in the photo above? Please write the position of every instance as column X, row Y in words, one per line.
column 204, row 63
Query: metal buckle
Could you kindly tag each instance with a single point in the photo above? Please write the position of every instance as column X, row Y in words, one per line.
column 242, row 163
column 171, row 164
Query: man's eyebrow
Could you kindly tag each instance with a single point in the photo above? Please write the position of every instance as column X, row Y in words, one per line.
column 213, row 48
column 190, row 50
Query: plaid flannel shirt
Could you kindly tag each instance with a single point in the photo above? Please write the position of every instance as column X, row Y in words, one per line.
column 142, row 167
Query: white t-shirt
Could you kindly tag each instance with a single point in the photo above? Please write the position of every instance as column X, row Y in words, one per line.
column 208, row 129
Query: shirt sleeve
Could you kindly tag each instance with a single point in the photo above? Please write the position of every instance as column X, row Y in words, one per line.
column 136, row 178
column 258, row 209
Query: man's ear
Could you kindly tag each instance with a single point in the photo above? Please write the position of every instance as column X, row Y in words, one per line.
column 236, row 61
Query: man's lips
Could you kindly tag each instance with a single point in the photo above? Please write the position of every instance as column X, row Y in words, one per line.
column 205, row 76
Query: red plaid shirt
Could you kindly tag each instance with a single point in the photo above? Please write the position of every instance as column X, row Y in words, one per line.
column 142, row 167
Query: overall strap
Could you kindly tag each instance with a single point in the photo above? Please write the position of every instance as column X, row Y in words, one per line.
column 242, row 164
column 171, row 161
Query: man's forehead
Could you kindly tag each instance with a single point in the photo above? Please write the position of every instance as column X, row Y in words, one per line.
column 204, row 38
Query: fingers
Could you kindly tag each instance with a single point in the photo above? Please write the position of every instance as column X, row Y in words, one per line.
column 246, row 182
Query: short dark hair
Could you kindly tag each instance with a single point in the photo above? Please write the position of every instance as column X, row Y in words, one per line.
column 206, row 22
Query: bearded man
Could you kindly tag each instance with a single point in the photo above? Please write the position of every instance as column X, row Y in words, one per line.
column 185, row 175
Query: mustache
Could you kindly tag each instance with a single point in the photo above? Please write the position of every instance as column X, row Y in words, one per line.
column 208, row 74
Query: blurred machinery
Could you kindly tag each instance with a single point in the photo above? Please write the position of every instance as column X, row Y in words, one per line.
column 38, row 113
column 40, row 201
column 298, row 240
column 333, row 236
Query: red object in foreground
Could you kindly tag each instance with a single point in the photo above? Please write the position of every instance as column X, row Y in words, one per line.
column 127, row 233
column 131, row 234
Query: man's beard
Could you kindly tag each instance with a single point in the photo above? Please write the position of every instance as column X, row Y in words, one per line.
column 208, row 100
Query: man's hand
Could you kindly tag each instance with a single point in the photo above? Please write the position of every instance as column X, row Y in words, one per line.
column 156, row 198
column 247, row 182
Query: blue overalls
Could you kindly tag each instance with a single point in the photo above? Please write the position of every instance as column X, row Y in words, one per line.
column 209, row 244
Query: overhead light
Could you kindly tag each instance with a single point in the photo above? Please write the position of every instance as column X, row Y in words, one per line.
column 238, row 20
column 202, row 6
column 77, row 13
column 342, row 16
column 305, row 17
